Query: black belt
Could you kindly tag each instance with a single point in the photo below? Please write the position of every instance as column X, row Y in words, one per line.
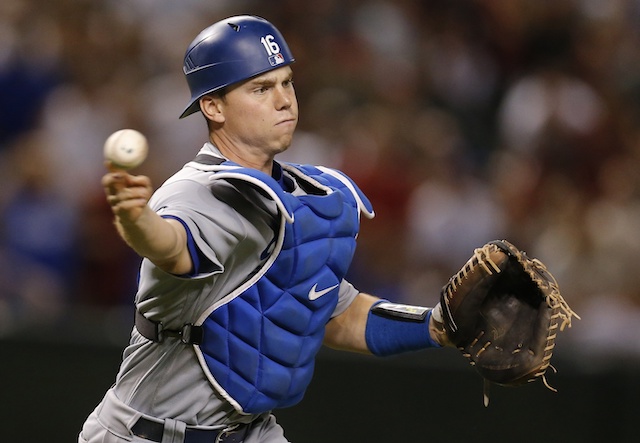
column 153, row 431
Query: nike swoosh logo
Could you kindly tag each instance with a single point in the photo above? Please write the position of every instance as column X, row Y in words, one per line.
column 314, row 294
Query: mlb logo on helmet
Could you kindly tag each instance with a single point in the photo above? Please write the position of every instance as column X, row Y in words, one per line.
column 276, row 59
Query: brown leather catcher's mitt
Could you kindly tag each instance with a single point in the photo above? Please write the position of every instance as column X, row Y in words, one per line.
column 503, row 310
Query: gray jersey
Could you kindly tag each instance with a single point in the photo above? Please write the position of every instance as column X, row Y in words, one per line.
column 231, row 232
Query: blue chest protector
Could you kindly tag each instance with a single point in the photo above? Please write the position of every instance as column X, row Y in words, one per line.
column 259, row 343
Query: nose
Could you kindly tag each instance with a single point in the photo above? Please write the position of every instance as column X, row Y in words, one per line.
column 284, row 97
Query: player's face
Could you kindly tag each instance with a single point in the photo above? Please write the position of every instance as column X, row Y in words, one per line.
column 261, row 114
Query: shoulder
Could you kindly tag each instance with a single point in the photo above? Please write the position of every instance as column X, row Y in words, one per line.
column 321, row 173
column 335, row 179
column 184, row 186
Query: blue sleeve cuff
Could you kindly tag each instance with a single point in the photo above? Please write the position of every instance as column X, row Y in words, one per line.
column 389, row 336
column 191, row 246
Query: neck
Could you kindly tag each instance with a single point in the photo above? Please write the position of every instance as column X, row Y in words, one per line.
column 248, row 158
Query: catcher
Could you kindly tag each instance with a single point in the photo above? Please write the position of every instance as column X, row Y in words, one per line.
column 243, row 276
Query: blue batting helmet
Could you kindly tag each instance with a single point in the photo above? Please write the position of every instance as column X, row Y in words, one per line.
column 230, row 51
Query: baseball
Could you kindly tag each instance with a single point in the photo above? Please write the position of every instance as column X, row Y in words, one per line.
column 126, row 148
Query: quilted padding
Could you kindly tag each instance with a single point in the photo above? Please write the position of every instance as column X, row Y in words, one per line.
column 260, row 346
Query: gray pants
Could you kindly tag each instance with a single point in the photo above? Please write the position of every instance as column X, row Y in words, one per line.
column 112, row 420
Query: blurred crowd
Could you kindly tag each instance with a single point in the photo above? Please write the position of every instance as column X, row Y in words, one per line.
column 462, row 120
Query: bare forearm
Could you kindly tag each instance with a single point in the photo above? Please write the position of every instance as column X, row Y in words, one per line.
column 347, row 331
column 163, row 241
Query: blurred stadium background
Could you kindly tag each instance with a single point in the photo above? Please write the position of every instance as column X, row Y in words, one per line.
column 462, row 120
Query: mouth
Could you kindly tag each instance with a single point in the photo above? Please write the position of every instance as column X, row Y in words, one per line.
column 287, row 121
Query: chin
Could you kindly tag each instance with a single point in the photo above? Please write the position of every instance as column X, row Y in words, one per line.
column 284, row 145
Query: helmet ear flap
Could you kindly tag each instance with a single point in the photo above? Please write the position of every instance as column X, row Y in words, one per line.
column 230, row 51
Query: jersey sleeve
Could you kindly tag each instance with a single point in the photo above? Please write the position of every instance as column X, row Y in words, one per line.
column 346, row 295
column 220, row 233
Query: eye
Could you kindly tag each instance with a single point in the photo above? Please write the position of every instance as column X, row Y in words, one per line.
column 261, row 89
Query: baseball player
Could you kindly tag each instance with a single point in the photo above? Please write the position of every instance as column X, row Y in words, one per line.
column 244, row 258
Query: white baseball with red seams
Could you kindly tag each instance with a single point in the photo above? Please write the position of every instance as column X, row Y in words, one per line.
column 126, row 148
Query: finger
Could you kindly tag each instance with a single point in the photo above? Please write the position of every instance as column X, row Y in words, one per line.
column 112, row 167
column 138, row 180
column 113, row 200
column 135, row 192
column 113, row 182
column 126, row 206
column 129, row 211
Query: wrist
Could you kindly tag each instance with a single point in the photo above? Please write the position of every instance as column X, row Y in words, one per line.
column 437, row 331
column 393, row 329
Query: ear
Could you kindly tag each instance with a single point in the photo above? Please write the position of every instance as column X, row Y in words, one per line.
column 212, row 108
